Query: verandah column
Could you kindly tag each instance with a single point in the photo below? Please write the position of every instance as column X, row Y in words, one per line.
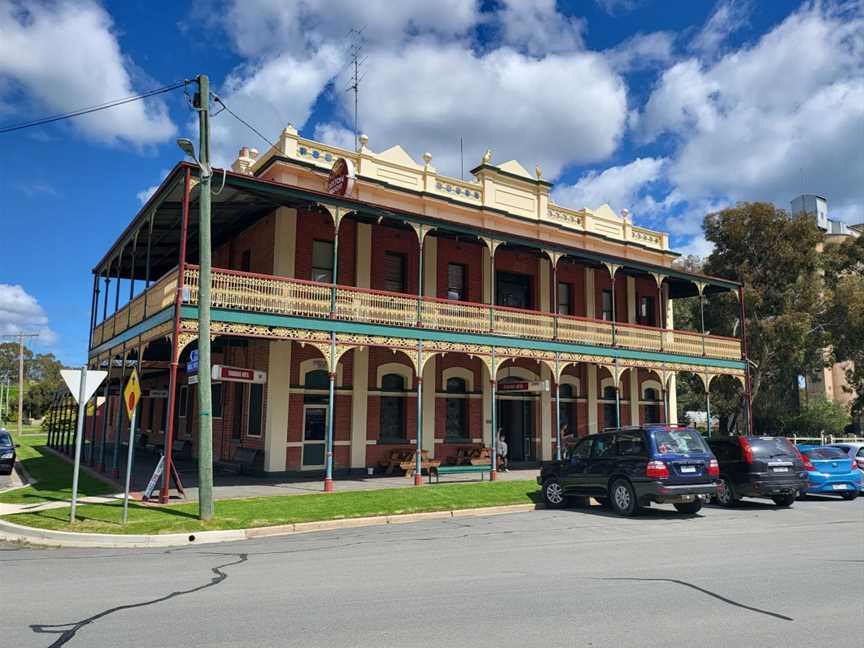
column 331, row 406
column 418, row 475
column 558, row 403
column 175, row 339
column 493, row 376
column 115, row 469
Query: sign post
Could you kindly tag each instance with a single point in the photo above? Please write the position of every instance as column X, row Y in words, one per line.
column 131, row 396
column 82, row 384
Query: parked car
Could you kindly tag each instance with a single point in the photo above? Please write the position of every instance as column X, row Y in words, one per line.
column 831, row 471
column 854, row 450
column 7, row 453
column 769, row 467
column 629, row 468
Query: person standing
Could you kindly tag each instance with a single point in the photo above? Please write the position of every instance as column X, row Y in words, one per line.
column 502, row 452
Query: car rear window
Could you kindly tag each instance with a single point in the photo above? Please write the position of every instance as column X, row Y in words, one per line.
column 826, row 453
column 768, row 447
column 683, row 441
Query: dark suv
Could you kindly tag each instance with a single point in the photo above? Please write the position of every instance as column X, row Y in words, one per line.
column 759, row 467
column 629, row 468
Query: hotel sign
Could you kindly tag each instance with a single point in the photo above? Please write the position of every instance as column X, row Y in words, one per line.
column 524, row 386
column 238, row 374
column 341, row 179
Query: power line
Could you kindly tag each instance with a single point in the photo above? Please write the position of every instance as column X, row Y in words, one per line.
column 218, row 100
column 92, row 109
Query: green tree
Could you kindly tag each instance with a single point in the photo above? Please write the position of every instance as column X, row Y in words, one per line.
column 776, row 258
column 816, row 416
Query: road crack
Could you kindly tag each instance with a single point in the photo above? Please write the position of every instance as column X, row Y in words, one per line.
column 67, row 631
column 704, row 591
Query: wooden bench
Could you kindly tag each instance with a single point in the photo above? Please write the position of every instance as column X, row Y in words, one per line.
column 242, row 462
column 459, row 470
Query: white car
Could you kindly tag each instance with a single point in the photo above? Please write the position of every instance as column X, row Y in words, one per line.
column 854, row 450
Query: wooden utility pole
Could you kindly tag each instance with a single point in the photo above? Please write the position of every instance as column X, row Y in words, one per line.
column 21, row 337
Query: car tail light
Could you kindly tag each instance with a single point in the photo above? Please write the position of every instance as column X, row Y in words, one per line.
column 657, row 470
column 714, row 468
column 745, row 446
column 805, row 459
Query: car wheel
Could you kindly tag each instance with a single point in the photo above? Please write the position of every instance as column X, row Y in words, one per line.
column 553, row 493
column 784, row 500
column 850, row 495
column 622, row 498
column 725, row 494
column 689, row 507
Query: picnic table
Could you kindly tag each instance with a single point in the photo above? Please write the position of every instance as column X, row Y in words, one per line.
column 427, row 464
column 395, row 460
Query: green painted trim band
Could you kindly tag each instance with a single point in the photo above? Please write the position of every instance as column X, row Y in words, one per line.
column 142, row 327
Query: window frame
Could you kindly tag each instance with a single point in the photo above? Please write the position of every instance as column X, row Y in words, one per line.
column 253, row 416
column 328, row 271
column 393, row 256
column 462, row 292
column 458, row 398
column 604, row 294
column 568, row 291
column 388, row 400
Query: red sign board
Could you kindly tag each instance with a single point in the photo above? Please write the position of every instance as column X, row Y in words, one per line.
column 524, row 386
column 238, row 374
column 341, row 179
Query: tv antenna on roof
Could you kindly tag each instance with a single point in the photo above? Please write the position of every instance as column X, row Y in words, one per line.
column 357, row 60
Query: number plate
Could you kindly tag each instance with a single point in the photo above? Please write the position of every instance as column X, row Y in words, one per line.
column 838, row 486
column 688, row 469
column 783, row 469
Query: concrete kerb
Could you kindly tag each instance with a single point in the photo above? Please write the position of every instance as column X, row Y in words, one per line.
column 11, row 532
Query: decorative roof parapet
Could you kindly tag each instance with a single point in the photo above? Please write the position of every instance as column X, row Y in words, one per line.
column 506, row 187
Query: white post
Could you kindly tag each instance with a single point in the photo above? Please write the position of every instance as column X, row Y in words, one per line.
column 129, row 465
column 82, row 406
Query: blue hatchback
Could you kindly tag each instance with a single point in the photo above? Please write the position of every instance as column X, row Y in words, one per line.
column 831, row 471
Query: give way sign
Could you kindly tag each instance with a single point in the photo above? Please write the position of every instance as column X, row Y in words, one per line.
column 72, row 378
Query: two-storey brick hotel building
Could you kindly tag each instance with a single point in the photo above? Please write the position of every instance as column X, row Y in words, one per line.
column 438, row 308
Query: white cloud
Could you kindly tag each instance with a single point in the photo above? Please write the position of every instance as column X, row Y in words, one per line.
column 37, row 188
column 728, row 17
column 550, row 111
column 774, row 119
column 259, row 26
column 21, row 313
column 144, row 195
column 696, row 246
column 537, row 27
column 619, row 7
column 619, row 186
column 65, row 56
column 642, row 51
column 334, row 135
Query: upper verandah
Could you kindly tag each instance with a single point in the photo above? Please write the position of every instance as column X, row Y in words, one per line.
column 506, row 190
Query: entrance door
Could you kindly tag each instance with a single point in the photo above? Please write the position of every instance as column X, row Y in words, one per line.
column 516, row 417
column 513, row 290
column 314, row 429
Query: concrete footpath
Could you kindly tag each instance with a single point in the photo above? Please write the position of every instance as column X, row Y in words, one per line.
column 10, row 532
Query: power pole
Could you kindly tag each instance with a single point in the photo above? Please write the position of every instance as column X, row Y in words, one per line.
column 205, row 422
column 356, row 50
column 20, row 337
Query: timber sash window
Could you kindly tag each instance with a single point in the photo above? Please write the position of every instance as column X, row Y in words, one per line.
column 564, row 307
column 237, row 426
column 646, row 311
column 607, row 305
column 568, row 398
column 457, row 410
column 392, row 409
column 456, row 282
column 610, row 410
column 652, row 411
column 322, row 261
column 394, row 272
column 216, row 402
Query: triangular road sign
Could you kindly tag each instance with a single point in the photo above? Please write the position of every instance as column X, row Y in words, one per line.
column 72, row 378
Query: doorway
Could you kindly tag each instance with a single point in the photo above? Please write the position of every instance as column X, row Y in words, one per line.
column 513, row 290
column 314, row 428
column 516, row 421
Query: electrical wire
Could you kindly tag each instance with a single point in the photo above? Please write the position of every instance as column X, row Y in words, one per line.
column 92, row 109
column 218, row 100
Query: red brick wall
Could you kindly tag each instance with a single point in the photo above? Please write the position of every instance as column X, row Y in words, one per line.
column 258, row 239
column 402, row 241
column 574, row 274
column 603, row 282
column 467, row 254
column 378, row 452
column 312, row 226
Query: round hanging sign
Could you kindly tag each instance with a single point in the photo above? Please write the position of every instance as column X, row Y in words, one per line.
column 341, row 179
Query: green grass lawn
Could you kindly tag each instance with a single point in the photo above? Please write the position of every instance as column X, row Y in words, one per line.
column 53, row 476
column 285, row 509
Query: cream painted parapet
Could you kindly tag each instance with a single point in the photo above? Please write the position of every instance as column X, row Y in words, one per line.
column 506, row 187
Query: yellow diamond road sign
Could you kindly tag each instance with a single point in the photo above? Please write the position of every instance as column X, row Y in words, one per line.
column 132, row 393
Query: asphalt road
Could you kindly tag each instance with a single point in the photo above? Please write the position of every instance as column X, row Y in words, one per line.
column 751, row 576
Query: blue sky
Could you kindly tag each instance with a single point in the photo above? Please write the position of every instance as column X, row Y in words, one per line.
column 669, row 108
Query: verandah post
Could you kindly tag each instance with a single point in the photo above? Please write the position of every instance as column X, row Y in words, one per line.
column 331, row 406
column 418, row 468
column 492, row 377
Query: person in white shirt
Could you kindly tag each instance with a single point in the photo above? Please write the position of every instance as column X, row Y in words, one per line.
column 502, row 452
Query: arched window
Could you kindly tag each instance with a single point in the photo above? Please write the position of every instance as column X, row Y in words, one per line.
column 568, row 395
column 609, row 393
column 610, row 411
column 392, row 409
column 652, row 411
column 457, row 410
column 651, row 394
